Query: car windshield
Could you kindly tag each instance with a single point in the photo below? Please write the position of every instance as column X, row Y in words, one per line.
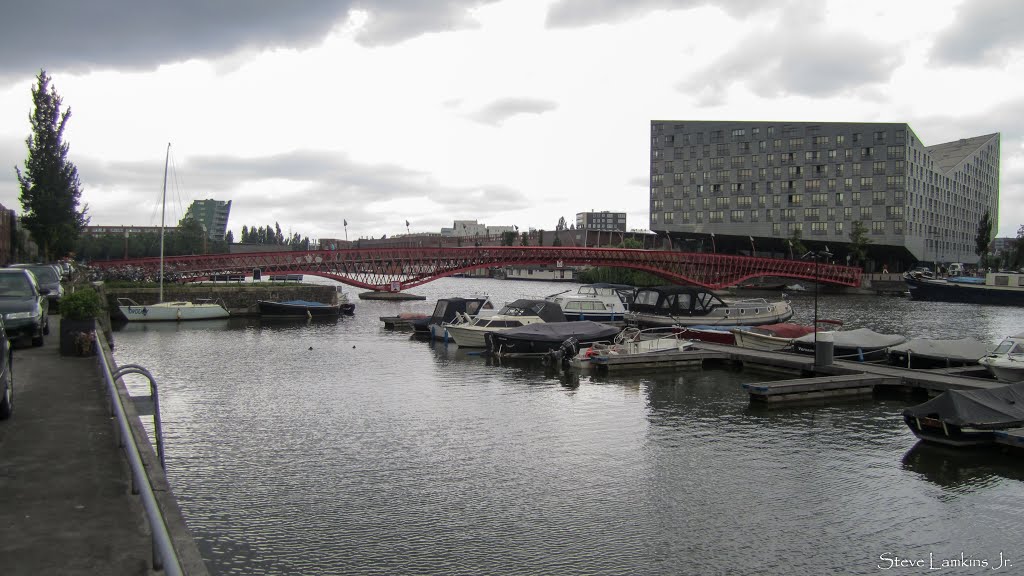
column 45, row 274
column 15, row 286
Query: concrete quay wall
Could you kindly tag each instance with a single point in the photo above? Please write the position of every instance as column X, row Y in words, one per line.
column 239, row 299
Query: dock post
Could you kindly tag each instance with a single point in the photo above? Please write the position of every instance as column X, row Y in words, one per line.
column 823, row 349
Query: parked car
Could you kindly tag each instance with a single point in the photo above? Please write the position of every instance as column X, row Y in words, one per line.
column 6, row 375
column 23, row 305
column 47, row 276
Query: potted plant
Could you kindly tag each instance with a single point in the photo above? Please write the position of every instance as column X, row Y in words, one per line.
column 78, row 313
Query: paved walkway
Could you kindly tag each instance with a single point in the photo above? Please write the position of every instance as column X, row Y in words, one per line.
column 65, row 501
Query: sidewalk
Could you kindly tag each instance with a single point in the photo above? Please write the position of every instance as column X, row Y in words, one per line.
column 65, row 501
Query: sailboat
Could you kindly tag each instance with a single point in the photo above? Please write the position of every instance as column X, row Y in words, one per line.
column 168, row 311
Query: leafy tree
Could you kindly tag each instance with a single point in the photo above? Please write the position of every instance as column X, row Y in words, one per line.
column 508, row 238
column 984, row 237
column 245, row 234
column 561, row 225
column 557, row 240
column 525, row 239
column 796, row 241
column 229, row 237
column 859, row 241
column 631, row 243
column 50, row 189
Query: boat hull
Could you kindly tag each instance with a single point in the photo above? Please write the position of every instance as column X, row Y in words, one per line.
column 468, row 336
column 1003, row 373
column 857, row 354
column 753, row 316
column 943, row 291
column 755, row 341
column 938, row 432
column 172, row 312
column 297, row 310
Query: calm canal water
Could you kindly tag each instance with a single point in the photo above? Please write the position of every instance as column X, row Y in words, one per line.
column 345, row 448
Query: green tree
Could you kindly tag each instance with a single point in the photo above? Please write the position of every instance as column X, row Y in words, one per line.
column 229, row 238
column 797, row 243
column 245, row 234
column 632, row 243
column 557, row 240
column 859, row 241
column 525, row 241
column 984, row 237
column 508, row 238
column 561, row 225
column 50, row 189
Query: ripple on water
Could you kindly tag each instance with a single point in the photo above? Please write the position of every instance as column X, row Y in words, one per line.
column 375, row 454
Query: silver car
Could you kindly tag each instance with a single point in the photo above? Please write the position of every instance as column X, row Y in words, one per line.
column 47, row 277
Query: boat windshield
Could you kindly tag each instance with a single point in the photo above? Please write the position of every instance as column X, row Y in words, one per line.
column 15, row 286
column 1009, row 347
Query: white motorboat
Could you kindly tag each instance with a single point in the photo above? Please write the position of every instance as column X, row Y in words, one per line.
column 694, row 305
column 1006, row 361
column 595, row 302
column 518, row 313
column 635, row 348
column 168, row 311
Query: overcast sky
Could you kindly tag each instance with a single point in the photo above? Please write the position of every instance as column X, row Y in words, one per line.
column 510, row 112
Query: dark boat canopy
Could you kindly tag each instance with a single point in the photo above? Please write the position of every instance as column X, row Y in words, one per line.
column 556, row 332
column 675, row 300
column 547, row 311
column 1000, row 407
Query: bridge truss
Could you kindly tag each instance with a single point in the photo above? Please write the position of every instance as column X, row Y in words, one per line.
column 385, row 269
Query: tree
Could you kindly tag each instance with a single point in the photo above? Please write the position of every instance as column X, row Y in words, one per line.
column 245, row 234
column 508, row 238
column 796, row 241
column 561, row 225
column 50, row 189
column 984, row 237
column 229, row 237
column 859, row 241
column 557, row 240
column 525, row 240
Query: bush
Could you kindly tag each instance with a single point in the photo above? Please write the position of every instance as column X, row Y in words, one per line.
column 82, row 304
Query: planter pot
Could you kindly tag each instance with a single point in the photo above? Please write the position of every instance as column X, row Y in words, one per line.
column 77, row 337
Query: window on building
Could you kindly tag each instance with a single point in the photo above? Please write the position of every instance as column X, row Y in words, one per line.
column 866, row 212
column 819, row 228
column 839, row 227
column 878, row 227
column 737, row 215
column 878, row 197
column 878, row 167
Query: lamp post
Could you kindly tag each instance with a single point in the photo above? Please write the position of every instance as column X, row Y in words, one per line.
column 752, row 250
column 714, row 249
column 817, row 255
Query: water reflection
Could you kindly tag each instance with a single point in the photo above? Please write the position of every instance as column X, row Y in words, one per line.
column 961, row 469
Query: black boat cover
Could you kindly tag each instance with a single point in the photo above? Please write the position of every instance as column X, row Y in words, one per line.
column 556, row 332
column 548, row 311
column 994, row 408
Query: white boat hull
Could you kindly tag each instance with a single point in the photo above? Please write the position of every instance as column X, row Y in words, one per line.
column 755, row 341
column 469, row 336
column 1000, row 368
column 172, row 312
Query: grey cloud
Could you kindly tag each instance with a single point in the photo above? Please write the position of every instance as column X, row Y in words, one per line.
column 982, row 32
column 75, row 36
column 805, row 63
column 573, row 13
column 335, row 188
column 502, row 109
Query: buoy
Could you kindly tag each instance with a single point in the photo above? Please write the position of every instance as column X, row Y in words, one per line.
column 310, row 347
column 353, row 346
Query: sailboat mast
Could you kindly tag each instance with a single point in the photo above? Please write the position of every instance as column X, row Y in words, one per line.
column 163, row 210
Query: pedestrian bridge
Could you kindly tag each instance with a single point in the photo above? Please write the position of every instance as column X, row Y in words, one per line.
column 394, row 269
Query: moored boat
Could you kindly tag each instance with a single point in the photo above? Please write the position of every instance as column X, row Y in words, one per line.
column 596, row 302
column 861, row 344
column 518, row 313
column 635, row 349
column 544, row 337
column 925, row 353
column 967, row 417
column 706, row 333
column 297, row 309
column 170, row 311
column 771, row 337
column 693, row 305
column 1006, row 361
column 1004, row 288
column 451, row 311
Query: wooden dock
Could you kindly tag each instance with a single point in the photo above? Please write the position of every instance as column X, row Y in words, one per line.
column 841, row 379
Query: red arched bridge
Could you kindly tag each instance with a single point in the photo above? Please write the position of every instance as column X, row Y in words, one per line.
column 390, row 269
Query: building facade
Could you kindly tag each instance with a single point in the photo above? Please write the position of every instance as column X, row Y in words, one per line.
column 614, row 221
column 754, row 184
column 213, row 215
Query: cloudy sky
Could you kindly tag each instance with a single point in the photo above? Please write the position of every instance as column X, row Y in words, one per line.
column 513, row 112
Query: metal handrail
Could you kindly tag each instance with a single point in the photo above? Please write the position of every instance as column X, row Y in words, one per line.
column 165, row 557
column 153, row 393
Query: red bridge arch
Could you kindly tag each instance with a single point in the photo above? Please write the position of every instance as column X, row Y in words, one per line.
column 379, row 268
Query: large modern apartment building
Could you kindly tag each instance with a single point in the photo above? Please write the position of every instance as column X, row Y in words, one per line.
column 604, row 220
column 213, row 215
column 756, row 183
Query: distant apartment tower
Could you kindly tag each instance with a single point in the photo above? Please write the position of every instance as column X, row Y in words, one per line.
column 762, row 181
column 615, row 221
column 213, row 215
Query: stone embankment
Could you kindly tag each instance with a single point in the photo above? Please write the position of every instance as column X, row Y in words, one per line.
column 239, row 299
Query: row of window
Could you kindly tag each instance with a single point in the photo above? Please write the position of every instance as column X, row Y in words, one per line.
column 877, row 227
column 878, row 197
column 722, row 151
column 795, row 140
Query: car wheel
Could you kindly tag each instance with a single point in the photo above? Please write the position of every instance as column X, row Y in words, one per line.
column 46, row 326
